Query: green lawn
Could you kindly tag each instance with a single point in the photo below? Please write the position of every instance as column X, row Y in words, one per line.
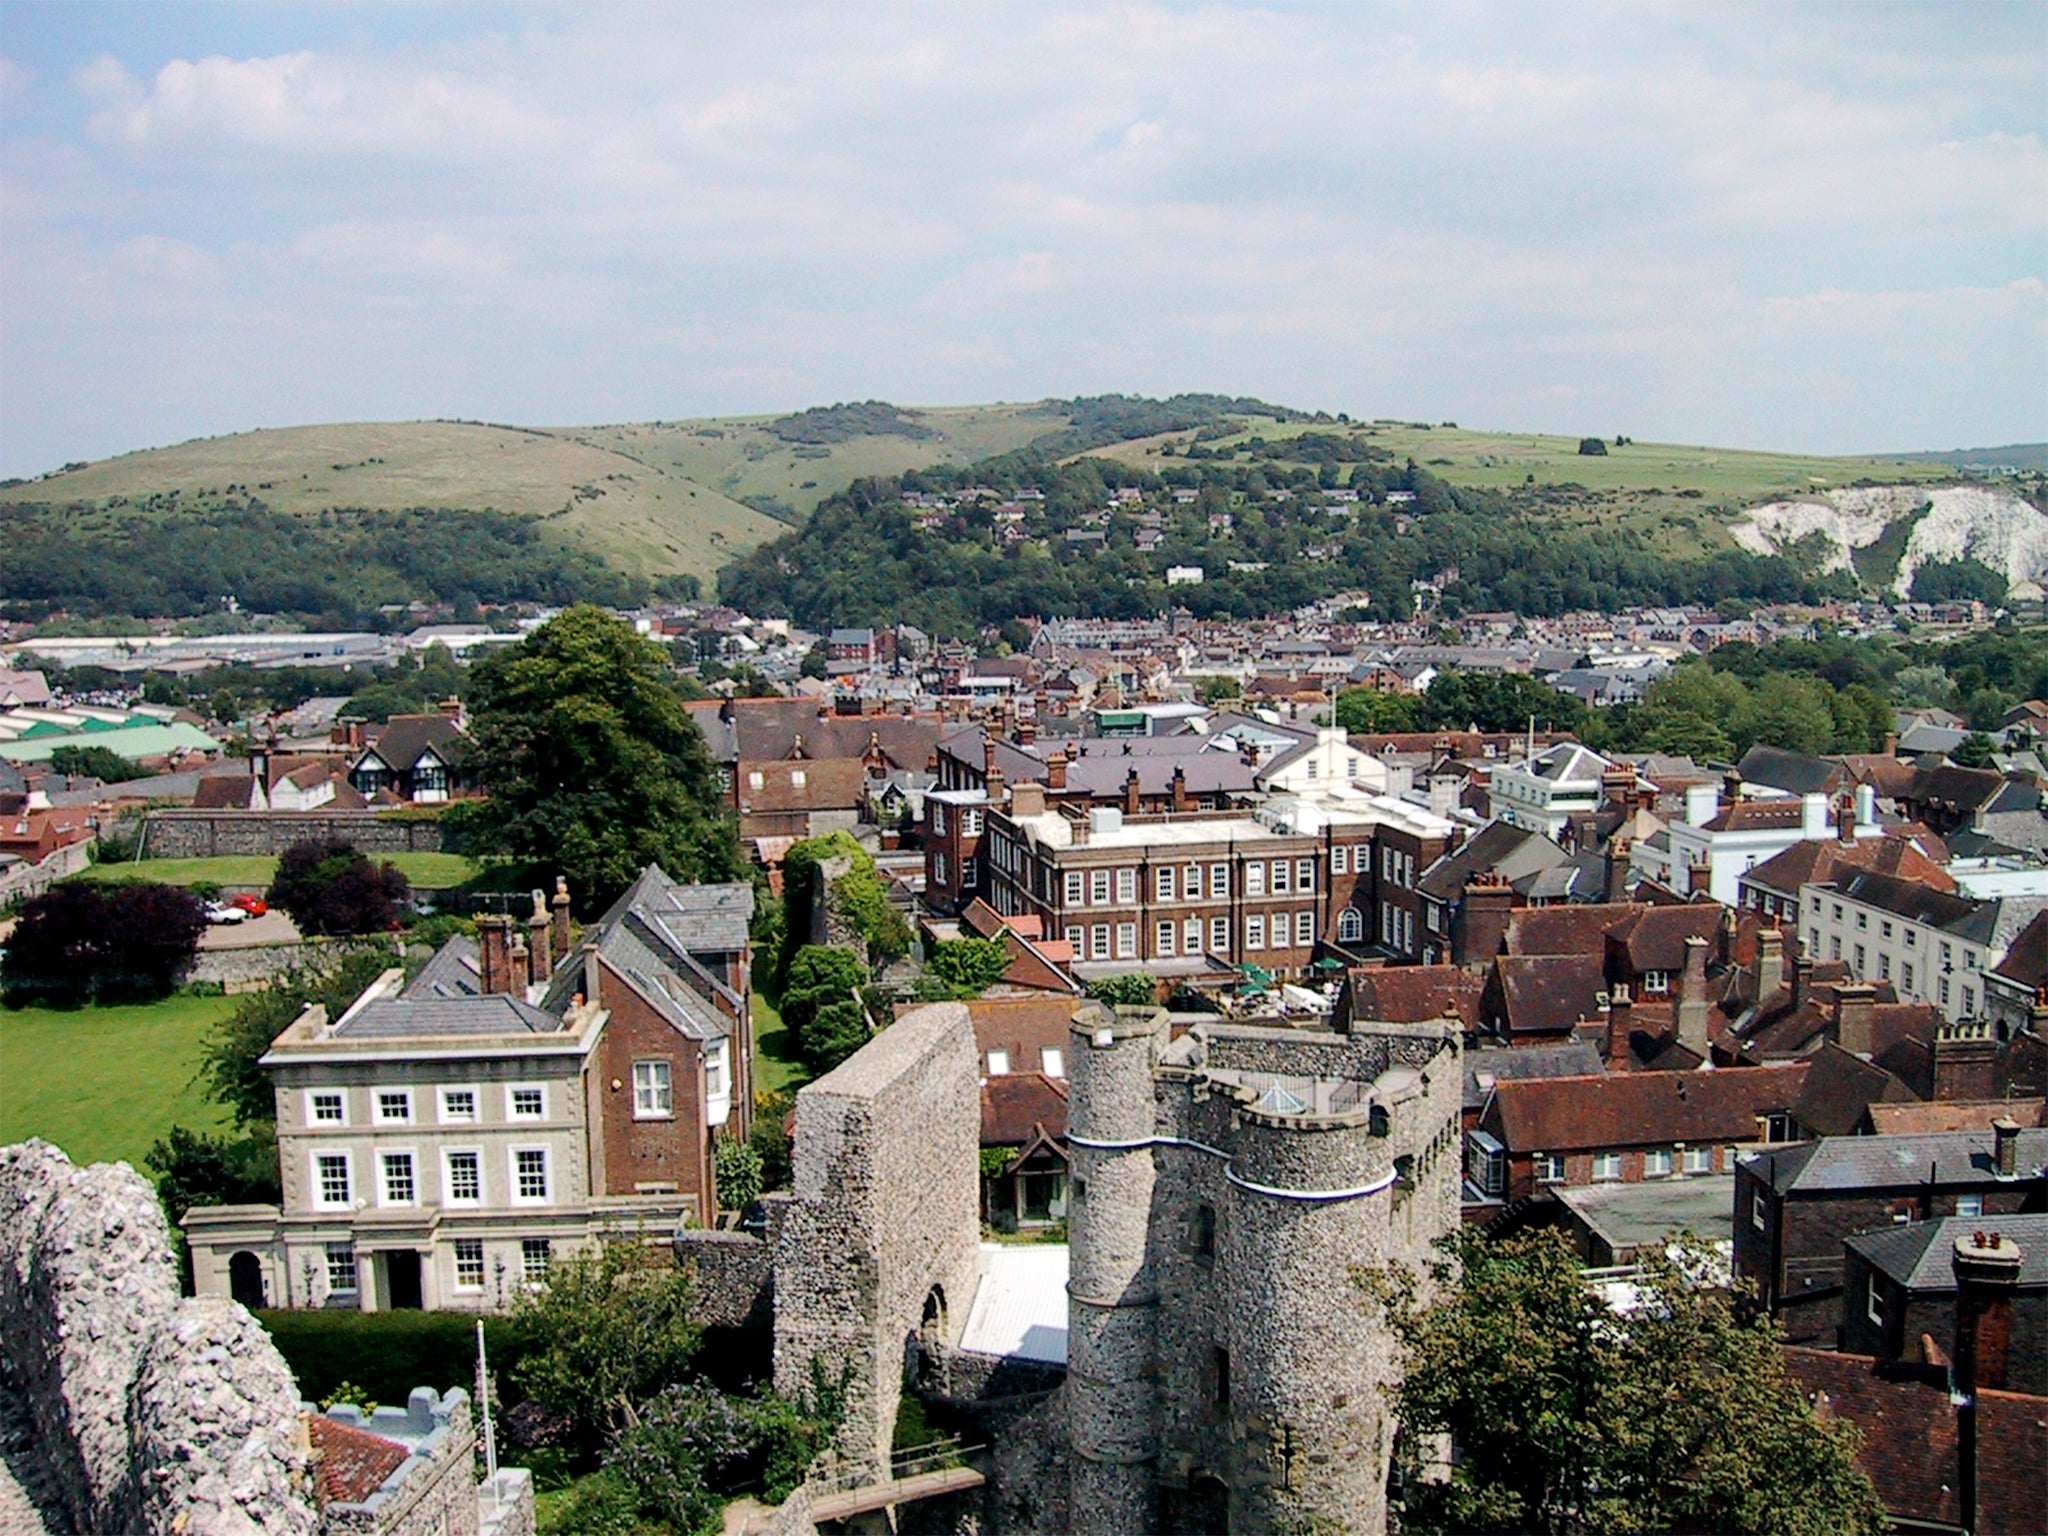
column 105, row 1082
column 429, row 871
column 776, row 1067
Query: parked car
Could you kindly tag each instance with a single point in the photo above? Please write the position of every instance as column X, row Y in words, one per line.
column 225, row 912
column 253, row 906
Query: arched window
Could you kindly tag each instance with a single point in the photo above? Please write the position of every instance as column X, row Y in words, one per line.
column 1350, row 926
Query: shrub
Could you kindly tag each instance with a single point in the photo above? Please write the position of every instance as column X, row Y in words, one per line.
column 1136, row 990
column 1592, row 447
column 970, row 966
column 738, row 1166
column 108, row 943
column 385, row 1354
column 328, row 886
column 836, row 1033
column 819, row 974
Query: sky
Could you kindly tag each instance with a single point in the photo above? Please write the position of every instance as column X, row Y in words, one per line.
column 1801, row 227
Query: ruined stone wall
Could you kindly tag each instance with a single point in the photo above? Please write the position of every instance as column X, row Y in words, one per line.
column 189, row 834
column 884, row 1219
column 151, row 1413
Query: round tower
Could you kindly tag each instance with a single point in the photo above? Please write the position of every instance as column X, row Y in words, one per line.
column 1113, row 1419
column 1310, row 1199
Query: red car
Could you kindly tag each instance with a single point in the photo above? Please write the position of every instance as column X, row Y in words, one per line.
column 255, row 906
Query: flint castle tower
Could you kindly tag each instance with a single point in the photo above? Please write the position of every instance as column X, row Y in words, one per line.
column 1225, row 1369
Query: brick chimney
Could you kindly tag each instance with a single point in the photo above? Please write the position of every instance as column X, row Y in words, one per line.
column 1770, row 961
column 1056, row 770
column 1027, row 799
column 539, row 960
column 1132, row 800
column 1181, row 802
column 1620, row 1022
column 1855, row 1018
column 1482, row 922
column 1027, row 731
column 560, row 916
column 1965, row 1063
column 1802, row 972
column 1845, row 817
column 2005, row 1141
column 516, row 961
column 1615, row 866
column 1987, row 1271
column 1691, row 1010
column 494, row 962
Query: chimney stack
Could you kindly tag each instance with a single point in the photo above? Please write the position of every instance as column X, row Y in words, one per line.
column 1987, row 1271
column 1692, row 998
column 1855, row 1020
column 494, row 962
column 560, row 906
column 1770, row 962
column 1620, row 1012
column 1845, row 817
column 517, row 976
column 1027, row 731
column 1132, row 801
column 1181, row 802
column 1481, row 925
column 1802, row 972
column 1056, row 770
column 1615, row 865
column 2005, row 1133
column 540, row 963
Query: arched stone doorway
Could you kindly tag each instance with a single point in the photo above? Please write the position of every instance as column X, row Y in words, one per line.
column 245, row 1280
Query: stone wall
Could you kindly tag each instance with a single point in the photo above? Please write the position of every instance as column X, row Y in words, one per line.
column 25, row 879
column 881, row 1239
column 151, row 1413
column 247, row 968
column 433, row 1492
column 190, row 834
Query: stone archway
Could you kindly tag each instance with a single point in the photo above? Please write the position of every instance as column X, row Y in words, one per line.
column 245, row 1280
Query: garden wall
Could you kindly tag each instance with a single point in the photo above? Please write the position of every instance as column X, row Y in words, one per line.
column 189, row 834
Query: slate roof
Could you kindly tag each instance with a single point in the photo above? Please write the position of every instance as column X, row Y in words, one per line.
column 1944, row 1159
column 1505, row 1064
column 406, row 738
column 1908, row 1440
column 455, row 970
column 1793, row 772
column 1918, row 1254
column 1639, row 1108
column 411, row 1018
column 1840, row 1086
column 651, row 937
column 1549, row 994
column 1512, row 852
column 768, row 730
column 2026, row 961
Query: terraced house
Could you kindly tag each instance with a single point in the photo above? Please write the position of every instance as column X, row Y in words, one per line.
column 444, row 1139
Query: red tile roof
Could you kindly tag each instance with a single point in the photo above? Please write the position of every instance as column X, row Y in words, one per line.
column 1412, row 994
column 350, row 1464
column 1018, row 1106
column 1562, row 1114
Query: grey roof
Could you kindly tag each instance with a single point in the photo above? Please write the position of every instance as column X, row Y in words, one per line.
column 454, row 971
column 1918, row 1255
column 1794, row 772
column 1944, row 1158
column 410, row 1018
column 652, row 936
column 1574, row 1058
column 1656, row 1210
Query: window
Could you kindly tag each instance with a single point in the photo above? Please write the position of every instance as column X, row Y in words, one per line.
column 1834, row 946
column 1098, row 887
column 1202, row 1231
column 798, row 778
column 1191, row 883
column 938, row 818
column 1654, row 983
column 1969, row 1205
column 1969, row 1002
column 1191, row 936
column 1912, row 938
column 1163, row 935
column 1813, row 903
column 1163, row 880
column 526, row 1103
column 1350, row 926
column 1549, row 1167
column 715, row 1084
column 529, row 1175
column 1073, row 888
column 341, row 1267
column 1947, row 954
column 1884, row 967
column 469, row 1264
column 756, row 779
column 1281, row 884
column 458, row 1104
column 939, row 868
column 1098, row 942
column 653, row 1092
column 1862, row 921
column 1051, row 1062
column 970, row 822
column 1873, row 1300
column 399, row 1187
column 1255, row 879
column 1884, row 930
column 1126, row 941
column 1942, row 988
column 1906, row 975
column 1304, row 929
column 1077, row 940
column 1606, row 1166
column 324, row 1108
column 1222, row 1382
column 998, row 1063
column 1838, row 911
column 1859, row 966
column 1759, row 1213
column 533, row 1259
column 1340, row 860
column 1486, row 1163
column 1657, row 1163
column 331, row 1180
column 1126, row 886
column 1778, row 1127
column 1219, row 935
column 1255, row 931
column 1304, row 874
column 1219, row 881
column 1698, row 1160
column 393, row 1106
column 465, row 1178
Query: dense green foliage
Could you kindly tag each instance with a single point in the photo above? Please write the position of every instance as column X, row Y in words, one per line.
column 167, row 558
column 1953, row 581
column 92, row 763
column 84, row 942
column 590, row 762
column 969, row 967
column 862, row 558
column 1136, row 990
column 1716, row 716
column 835, row 1032
column 329, row 886
column 1457, row 701
column 194, row 1168
column 694, row 1446
column 1676, row 1416
column 386, row 1354
column 843, row 423
column 606, row 1331
column 858, row 895
column 737, row 1165
column 237, row 1043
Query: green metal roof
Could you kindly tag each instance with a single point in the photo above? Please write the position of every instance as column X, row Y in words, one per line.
column 130, row 741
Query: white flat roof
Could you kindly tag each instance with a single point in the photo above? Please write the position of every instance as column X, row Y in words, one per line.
column 1020, row 1306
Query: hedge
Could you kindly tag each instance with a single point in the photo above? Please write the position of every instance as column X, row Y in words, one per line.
column 388, row 1354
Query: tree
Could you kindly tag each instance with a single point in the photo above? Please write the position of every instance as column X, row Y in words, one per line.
column 1974, row 751
column 835, row 1033
column 738, row 1166
column 820, row 974
column 591, row 763
column 1593, row 447
column 85, row 942
column 1567, row 1418
column 328, row 886
column 970, row 967
column 1367, row 711
column 92, row 763
column 604, row 1332
column 231, row 1049
column 1136, row 990
column 193, row 1168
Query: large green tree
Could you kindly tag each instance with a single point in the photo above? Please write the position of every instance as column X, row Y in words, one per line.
column 1570, row 1418
column 590, row 762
